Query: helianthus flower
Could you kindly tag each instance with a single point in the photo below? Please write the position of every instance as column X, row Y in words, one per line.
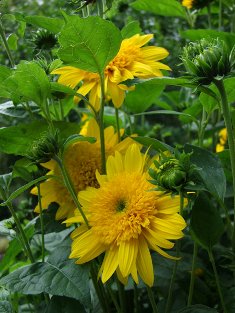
column 133, row 60
column 81, row 160
column 188, row 3
column 223, row 138
column 127, row 219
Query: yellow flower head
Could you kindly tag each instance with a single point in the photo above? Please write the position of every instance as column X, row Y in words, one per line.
column 126, row 220
column 223, row 137
column 188, row 3
column 81, row 160
column 133, row 60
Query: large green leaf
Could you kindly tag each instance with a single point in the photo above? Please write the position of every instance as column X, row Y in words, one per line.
column 160, row 7
column 206, row 223
column 143, row 96
column 18, row 139
column 57, row 276
column 196, row 34
column 89, row 43
column 209, row 170
column 5, row 72
column 28, row 82
column 64, row 305
column 198, row 308
column 131, row 29
column 53, row 24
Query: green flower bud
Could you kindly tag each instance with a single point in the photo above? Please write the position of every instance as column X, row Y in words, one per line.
column 44, row 149
column 206, row 60
column 171, row 173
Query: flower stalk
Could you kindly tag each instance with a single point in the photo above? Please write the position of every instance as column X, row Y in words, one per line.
column 192, row 278
column 5, row 43
column 41, row 222
column 152, row 299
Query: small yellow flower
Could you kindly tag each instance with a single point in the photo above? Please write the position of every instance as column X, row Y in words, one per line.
column 223, row 138
column 133, row 60
column 126, row 220
column 81, row 160
column 188, row 3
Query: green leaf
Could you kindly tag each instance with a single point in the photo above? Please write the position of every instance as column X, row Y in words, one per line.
column 143, row 96
column 198, row 308
column 209, row 170
column 131, row 29
column 163, row 80
column 59, row 276
column 64, row 304
column 62, row 88
column 29, row 82
column 9, row 109
column 89, row 43
column 18, row 139
column 5, row 72
column 76, row 138
column 12, row 41
column 206, row 223
column 53, row 24
column 153, row 143
column 160, row 7
column 25, row 169
column 6, row 307
column 197, row 34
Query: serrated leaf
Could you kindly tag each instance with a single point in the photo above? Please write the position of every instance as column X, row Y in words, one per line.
column 209, row 169
column 153, row 143
column 89, row 43
column 160, row 7
column 64, row 304
column 59, row 276
column 18, row 139
column 53, row 24
column 206, row 223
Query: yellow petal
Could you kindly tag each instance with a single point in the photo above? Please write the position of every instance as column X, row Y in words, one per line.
column 144, row 263
column 110, row 263
column 127, row 255
column 134, row 159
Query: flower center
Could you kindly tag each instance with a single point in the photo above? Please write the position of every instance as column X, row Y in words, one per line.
column 121, row 205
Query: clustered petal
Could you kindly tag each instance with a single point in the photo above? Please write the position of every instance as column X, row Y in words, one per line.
column 127, row 219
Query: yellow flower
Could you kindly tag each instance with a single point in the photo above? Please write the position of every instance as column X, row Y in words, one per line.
column 223, row 137
column 126, row 220
column 81, row 160
column 133, row 60
column 188, row 3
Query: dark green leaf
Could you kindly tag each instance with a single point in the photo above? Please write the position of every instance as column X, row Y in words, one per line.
column 18, row 139
column 64, row 305
column 53, row 24
column 62, row 88
column 6, row 307
column 131, row 29
column 89, row 43
column 209, row 169
column 153, row 143
column 143, row 96
column 59, row 276
column 206, row 223
column 198, row 308
column 160, row 7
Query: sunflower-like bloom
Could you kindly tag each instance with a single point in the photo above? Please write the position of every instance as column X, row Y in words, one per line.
column 81, row 160
column 133, row 60
column 188, row 4
column 126, row 220
column 223, row 138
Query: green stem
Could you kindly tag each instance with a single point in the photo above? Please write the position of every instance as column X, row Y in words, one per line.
column 231, row 142
column 136, row 305
column 114, row 299
column 101, row 126
column 173, row 276
column 209, row 16
column 5, row 43
column 41, row 222
column 192, row 279
column 121, row 293
column 117, row 124
column 152, row 299
column 22, row 233
column 203, row 124
column 212, row 260
column 69, row 186
column 220, row 15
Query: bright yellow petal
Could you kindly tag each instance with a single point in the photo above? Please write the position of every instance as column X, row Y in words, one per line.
column 144, row 263
column 110, row 263
column 117, row 95
column 127, row 255
column 134, row 159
